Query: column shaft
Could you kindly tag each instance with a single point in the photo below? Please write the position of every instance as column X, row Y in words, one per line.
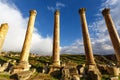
column 26, row 46
column 112, row 32
column 3, row 32
column 86, row 38
column 56, row 39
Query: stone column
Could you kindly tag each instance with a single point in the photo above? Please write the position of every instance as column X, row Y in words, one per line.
column 112, row 32
column 86, row 38
column 26, row 46
column 3, row 32
column 56, row 39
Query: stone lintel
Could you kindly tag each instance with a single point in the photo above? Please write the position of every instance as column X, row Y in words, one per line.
column 57, row 12
column 106, row 11
column 33, row 12
column 82, row 10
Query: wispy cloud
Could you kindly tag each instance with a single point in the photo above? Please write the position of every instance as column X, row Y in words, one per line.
column 58, row 5
column 51, row 8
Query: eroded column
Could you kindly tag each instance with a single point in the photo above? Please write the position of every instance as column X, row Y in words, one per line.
column 56, row 39
column 86, row 38
column 112, row 32
column 3, row 32
column 26, row 46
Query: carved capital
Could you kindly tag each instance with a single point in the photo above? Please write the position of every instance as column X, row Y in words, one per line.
column 33, row 12
column 82, row 10
column 106, row 11
column 4, row 26
column 57, row 12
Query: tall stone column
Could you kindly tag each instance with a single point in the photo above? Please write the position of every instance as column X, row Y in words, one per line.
column 3, row 32
column 86, row 38
column 112, row 32
column 26, row 46
column 91, row 67
column 56, row 39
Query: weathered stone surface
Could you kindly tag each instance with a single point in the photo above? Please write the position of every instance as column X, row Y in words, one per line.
column 92, row 72
column 65, row 74
column 113, row 33
column 86, row 38
column 81, row 69
column 113, row 70
column 56, row 39
column 4, row 67
column 45, row 69
column 75, row 77
column 102, row 68
column 24, row 64
column 41, row 76
column 54, row 71
column 114, row 78
column 91, row 68
column 24, row 75
column 26, row 46
column 3, row 32
column 19, row 68
column 70, row 72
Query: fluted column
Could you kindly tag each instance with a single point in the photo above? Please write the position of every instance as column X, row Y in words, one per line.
column 26, row 46
column 86, row 38
column 112, row 32
column 56, row 39
column 3, row 32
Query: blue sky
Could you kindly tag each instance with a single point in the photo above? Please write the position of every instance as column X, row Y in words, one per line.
column 70, row 25
column 70, row 19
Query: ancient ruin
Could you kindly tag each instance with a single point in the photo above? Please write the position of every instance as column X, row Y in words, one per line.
column 3, row 32
column 24, row 63
column 91, row 67
column 86, row 39
column 56, row 39
column 113, row 33
column 26, row 46
column 54, row 68
column 18, row 66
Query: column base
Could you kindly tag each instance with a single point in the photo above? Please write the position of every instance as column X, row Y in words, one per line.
column 92, row 72
column 22, row 66
column 56, row 63
column 54, row 70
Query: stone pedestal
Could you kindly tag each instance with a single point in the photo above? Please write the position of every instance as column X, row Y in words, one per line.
column 113, row 33
column 3, row 32
column 92, row 72
column 54, row 70
column 56, row 39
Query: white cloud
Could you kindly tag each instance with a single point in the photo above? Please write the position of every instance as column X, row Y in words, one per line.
column 58, row 5
column 75, row 48
column 17, row 28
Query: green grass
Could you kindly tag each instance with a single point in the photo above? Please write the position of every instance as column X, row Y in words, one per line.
column 6, row 76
